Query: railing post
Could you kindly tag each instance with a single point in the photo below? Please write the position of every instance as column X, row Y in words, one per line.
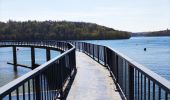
column 98, row 52
column 116, row 68
column 61, row 72
column 105, row 55
column 74, row 57
column 86, row 48
column 89, row 48
column 131, row 83
column 15, row 58
column 48, row 56
column 79, row 46
column 93, row 51
column 37, row 88
column 83, row 47
column 33, row 57
column 74, row 43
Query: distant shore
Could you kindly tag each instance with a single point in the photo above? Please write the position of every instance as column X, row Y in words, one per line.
column 62, row 30
column 155, row 33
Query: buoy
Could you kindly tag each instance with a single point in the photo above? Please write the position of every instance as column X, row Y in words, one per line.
column 144, row 49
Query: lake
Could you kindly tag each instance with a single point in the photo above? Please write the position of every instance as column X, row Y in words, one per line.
column 156, row 57
column 7, row 73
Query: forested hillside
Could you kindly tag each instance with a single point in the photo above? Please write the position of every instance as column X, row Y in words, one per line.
column 154, row 33
column 52, row 30
column 159, row 33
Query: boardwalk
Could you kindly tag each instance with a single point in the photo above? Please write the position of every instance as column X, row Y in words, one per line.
column 92, row 81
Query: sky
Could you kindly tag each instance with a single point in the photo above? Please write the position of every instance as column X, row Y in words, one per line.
column 126, row 15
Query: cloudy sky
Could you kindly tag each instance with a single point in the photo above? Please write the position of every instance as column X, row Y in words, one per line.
column 128, row 15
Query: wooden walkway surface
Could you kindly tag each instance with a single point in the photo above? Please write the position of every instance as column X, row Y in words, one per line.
column 92, row 81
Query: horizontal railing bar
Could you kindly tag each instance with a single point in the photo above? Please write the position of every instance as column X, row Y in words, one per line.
column 44, row 47
column 25, row 66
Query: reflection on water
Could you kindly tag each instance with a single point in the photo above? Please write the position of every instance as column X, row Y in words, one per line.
column 7, row 73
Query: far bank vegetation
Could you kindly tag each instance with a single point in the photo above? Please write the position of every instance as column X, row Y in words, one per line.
column 63, row 30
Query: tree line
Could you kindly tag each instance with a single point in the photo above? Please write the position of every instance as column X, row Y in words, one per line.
column 153, row 33
column 159, row 33
column 61, row 30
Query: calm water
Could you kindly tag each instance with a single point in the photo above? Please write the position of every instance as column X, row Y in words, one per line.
column 24, row 57
column 156, row 57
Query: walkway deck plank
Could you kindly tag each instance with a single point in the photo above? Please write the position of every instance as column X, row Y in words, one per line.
column 92, row 81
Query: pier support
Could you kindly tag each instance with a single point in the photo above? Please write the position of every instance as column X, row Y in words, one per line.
column 33, row 57
column 14, row 58
column 48, row 56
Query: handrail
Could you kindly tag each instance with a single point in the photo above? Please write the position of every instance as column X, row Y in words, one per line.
column 134, row 80
column 154, row 76
column 57, row 70
column 51, row 44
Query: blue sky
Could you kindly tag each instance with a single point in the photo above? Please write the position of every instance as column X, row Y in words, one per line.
column 128, row 15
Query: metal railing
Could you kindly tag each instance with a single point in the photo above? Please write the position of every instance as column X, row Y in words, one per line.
column 57, row 45
column 135, row 81
column 46, row 82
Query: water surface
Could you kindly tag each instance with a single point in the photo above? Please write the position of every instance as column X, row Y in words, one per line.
column 156, row 57
column 7, row 73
